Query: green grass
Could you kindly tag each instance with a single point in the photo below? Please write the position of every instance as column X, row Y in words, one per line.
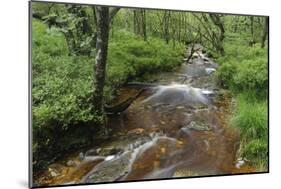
column 251, row 118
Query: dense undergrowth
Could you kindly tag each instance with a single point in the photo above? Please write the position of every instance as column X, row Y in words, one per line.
column 62, row 85
column 244, row 71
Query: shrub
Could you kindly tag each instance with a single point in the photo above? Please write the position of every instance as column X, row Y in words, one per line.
column 252, row 75
column 226, row 73
column 244, row 69
column 130, row 57
column 47, row 40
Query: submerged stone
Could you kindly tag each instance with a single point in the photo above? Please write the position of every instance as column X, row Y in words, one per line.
column 109, row 171
column 184, row 173
column 199, row 126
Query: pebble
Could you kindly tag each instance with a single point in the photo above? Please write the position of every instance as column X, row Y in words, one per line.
column 70, row 163
column 81, row 156
column 98, row 150
column 239, row 163
column 163, row 122
column 163, row 150
column 180, row 107
column 54, row 174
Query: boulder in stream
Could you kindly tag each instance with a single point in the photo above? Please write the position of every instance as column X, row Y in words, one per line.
column 109, row 171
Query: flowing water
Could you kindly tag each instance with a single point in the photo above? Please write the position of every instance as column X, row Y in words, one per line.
column 178, row 127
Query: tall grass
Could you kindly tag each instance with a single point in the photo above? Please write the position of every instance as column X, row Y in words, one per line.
column 251, row 118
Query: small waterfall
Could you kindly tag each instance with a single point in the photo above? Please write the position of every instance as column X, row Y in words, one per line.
column 177, row 94
column 138, row 152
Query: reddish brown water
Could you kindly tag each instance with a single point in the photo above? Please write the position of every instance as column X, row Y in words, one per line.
column 171, row 137
column 185, row 151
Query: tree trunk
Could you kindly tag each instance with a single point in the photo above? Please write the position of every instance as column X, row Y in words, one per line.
column 95, row 16
column 103, row 18
column 265, row 31
column 135, row 21
column 102, row 15
column 235, row 23
column 144, row 25
column 71, row 45
column 252, row 31
column 166, row 26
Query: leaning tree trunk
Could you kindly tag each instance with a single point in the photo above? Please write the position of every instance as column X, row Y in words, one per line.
column 265, row 32
column 102, row 14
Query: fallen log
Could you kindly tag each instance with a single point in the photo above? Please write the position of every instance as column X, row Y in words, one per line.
column 140, row 85
column 121, row 106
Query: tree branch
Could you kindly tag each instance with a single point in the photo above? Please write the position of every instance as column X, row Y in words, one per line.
column 113, row 12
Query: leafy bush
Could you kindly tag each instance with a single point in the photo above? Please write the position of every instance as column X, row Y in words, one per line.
column 47, row 40
column 130, row 57
column 244, row 69
column 252, row 75
column 226, row 73
column 61, row 94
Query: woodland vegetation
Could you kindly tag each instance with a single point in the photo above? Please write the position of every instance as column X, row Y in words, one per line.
column 82, row 55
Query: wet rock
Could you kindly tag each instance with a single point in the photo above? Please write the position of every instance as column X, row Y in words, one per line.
column 184, row 173
column 130, row 140
column 70, row 163
column 110, row 150
column 104, row 151
column 163, row 122
column 199, row 126
column 81, row 156
column 98, row 150
column 180, row 107
column 210, row 70
column 110, row 171
column 92, row 152
column 199, row 61
column 240, row 162
column 53, row 172
column 206, row 59
column 136, row 131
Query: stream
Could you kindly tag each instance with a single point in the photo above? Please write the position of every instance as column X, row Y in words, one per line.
column 178, row 127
